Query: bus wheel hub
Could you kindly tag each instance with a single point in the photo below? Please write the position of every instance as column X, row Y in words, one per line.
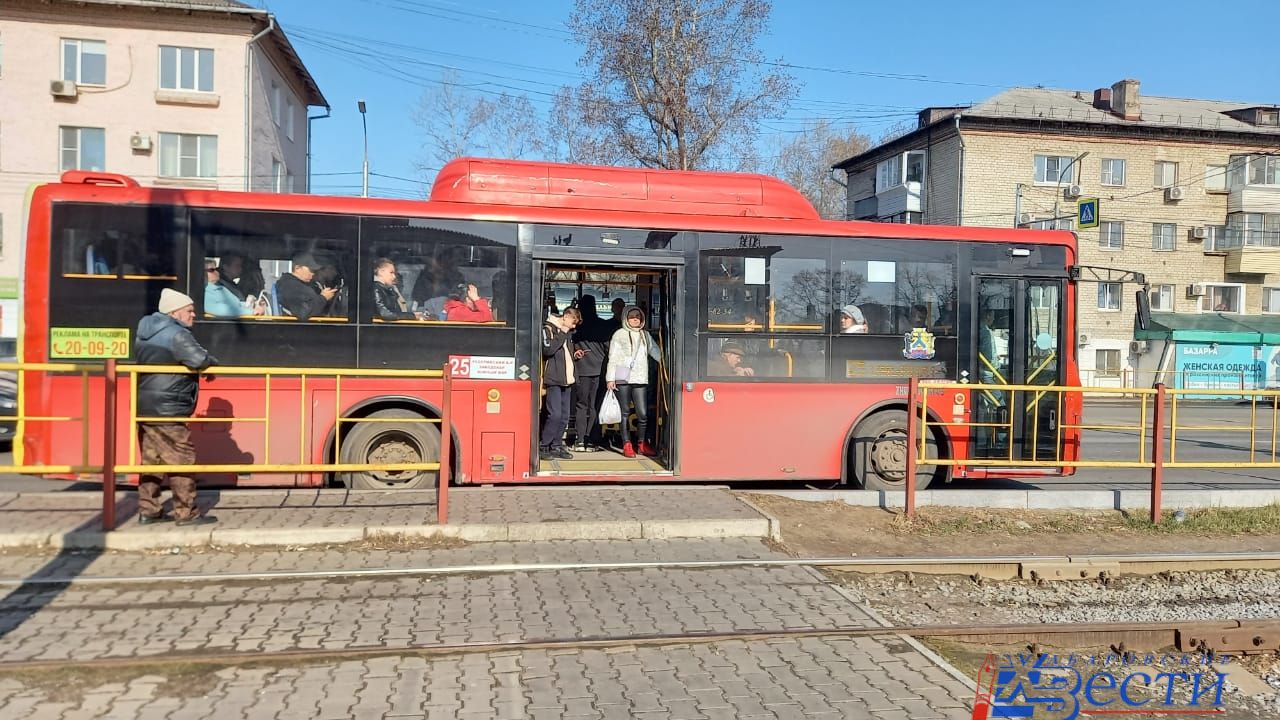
column 889, row 456
column 390, row 452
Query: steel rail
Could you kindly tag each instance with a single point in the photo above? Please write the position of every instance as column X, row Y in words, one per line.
column 1233, row 558
column 608, row 641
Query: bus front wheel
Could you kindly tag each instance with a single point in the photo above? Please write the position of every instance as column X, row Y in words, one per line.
column 880, row 453
column 385, row 443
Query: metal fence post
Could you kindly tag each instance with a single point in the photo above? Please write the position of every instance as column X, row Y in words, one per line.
column 446, row 448
column 1157, row 453
column 108, row 447
column 913, row 387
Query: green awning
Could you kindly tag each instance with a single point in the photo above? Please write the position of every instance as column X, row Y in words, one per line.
column 1213, row 327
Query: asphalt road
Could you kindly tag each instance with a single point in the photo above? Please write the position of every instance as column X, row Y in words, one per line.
column 1236, row 426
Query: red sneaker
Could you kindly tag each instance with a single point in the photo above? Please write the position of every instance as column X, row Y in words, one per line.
column 628, row 450
column 647, row 449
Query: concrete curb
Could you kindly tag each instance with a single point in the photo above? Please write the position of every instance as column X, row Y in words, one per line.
column 135, row 539
column 1041, row 499
column 775, row 526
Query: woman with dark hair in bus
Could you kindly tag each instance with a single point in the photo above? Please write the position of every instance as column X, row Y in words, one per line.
column 466, row 305
column 627, row 374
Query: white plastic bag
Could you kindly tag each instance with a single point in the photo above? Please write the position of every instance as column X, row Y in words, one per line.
column 610, row 410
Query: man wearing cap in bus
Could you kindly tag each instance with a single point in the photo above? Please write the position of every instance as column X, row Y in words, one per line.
column 296, row 293
column 729, row 363
column 164, row 338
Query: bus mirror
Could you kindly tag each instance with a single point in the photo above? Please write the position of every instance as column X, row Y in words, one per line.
column 1142, row 319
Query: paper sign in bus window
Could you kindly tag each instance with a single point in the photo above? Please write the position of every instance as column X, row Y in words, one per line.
column 879, row 271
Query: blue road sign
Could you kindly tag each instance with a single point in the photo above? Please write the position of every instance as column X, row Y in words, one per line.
column 1087, row 213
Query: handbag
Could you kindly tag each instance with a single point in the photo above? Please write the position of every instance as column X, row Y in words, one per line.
column 610, row 410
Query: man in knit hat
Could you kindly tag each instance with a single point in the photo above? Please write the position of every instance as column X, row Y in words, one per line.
column 164, row 338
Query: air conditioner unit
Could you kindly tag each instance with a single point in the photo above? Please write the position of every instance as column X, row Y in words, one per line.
column 1082, row 339
column 1199, row 232
column 140, row 142
column 1072, row 191
column 63, row 88
column 1195, row 290
column 1024, row 219
column 1139, row 347
column 1174, row 193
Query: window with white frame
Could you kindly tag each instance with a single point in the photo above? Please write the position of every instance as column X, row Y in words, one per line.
column 1215, row 178
column 1054, row 169
column 1271, row 300
column 1111, row 235
column 82, row 148
column 288, row 117
column 1113, row 171
column 1107, row 363
column 1264, row 170
column 1059, row 224
column 274, row 101
column 279, row 177
column 84, row 62
column 184, row 68
column 915, row 167
column 1166, row 174
column 188, row 156
column 1162, row 298
column 1164, row 236
column 1222, row 298
column 1109, row 295
column 889, row 173
column 1215, row 237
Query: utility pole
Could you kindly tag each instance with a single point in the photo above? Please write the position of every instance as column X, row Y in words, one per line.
column 1017, row 205
column 364, row 186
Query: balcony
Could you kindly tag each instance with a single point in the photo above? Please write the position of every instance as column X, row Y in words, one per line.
column 899, row 199
column 1251, row 251
column 1254, row 199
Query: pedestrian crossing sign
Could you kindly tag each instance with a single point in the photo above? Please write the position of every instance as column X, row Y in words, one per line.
column 1087, row 210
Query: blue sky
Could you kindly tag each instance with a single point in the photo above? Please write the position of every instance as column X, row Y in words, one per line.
column 859, row 63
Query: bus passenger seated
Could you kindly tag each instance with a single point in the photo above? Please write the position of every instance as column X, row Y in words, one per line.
column 219, row 301
column 388, row 303
column 296, row 293
column 729, row 363
column 466, row 305
column 852, row 321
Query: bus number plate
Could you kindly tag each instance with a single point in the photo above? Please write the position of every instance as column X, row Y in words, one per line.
column 88, row 343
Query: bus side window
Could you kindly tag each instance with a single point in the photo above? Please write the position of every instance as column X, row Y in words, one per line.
column 255, row 251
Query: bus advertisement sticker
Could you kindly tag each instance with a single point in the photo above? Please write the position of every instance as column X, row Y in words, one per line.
column 90, row 343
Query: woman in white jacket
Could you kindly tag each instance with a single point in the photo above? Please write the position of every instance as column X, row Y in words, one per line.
column 627, row 374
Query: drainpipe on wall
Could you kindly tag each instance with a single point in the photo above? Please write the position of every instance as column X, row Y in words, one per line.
column 248, row 103
column 309, row 119
column 959, row 174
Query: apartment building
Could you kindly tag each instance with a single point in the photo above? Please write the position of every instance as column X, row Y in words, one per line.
column 194, row 93
column 1188, row 190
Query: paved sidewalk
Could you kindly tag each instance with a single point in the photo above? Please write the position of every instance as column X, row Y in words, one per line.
column 320, row 517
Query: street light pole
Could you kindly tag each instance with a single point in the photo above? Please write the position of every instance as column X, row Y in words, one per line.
column 1057, row 190
column 364, row 185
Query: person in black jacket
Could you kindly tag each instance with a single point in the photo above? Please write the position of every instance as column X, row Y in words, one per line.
column 164, row 338
column 591, row 344
column 557, row 380
column 297, row 296
column 388, row 303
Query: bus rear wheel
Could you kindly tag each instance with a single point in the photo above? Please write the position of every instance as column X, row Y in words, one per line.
column 880, row 453
column 388, row 443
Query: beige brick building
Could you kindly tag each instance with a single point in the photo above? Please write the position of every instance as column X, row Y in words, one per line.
column 198, row 93
column 1189, row 195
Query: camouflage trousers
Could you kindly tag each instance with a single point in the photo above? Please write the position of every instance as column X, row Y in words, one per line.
column 166, row 444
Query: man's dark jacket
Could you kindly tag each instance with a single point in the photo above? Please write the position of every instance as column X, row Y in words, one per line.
column 299, row 299
column 161, row 340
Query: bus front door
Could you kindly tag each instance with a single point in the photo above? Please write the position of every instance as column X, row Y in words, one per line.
column 1018, row 334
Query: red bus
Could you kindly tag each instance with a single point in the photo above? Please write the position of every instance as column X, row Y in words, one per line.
column 711, row 257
